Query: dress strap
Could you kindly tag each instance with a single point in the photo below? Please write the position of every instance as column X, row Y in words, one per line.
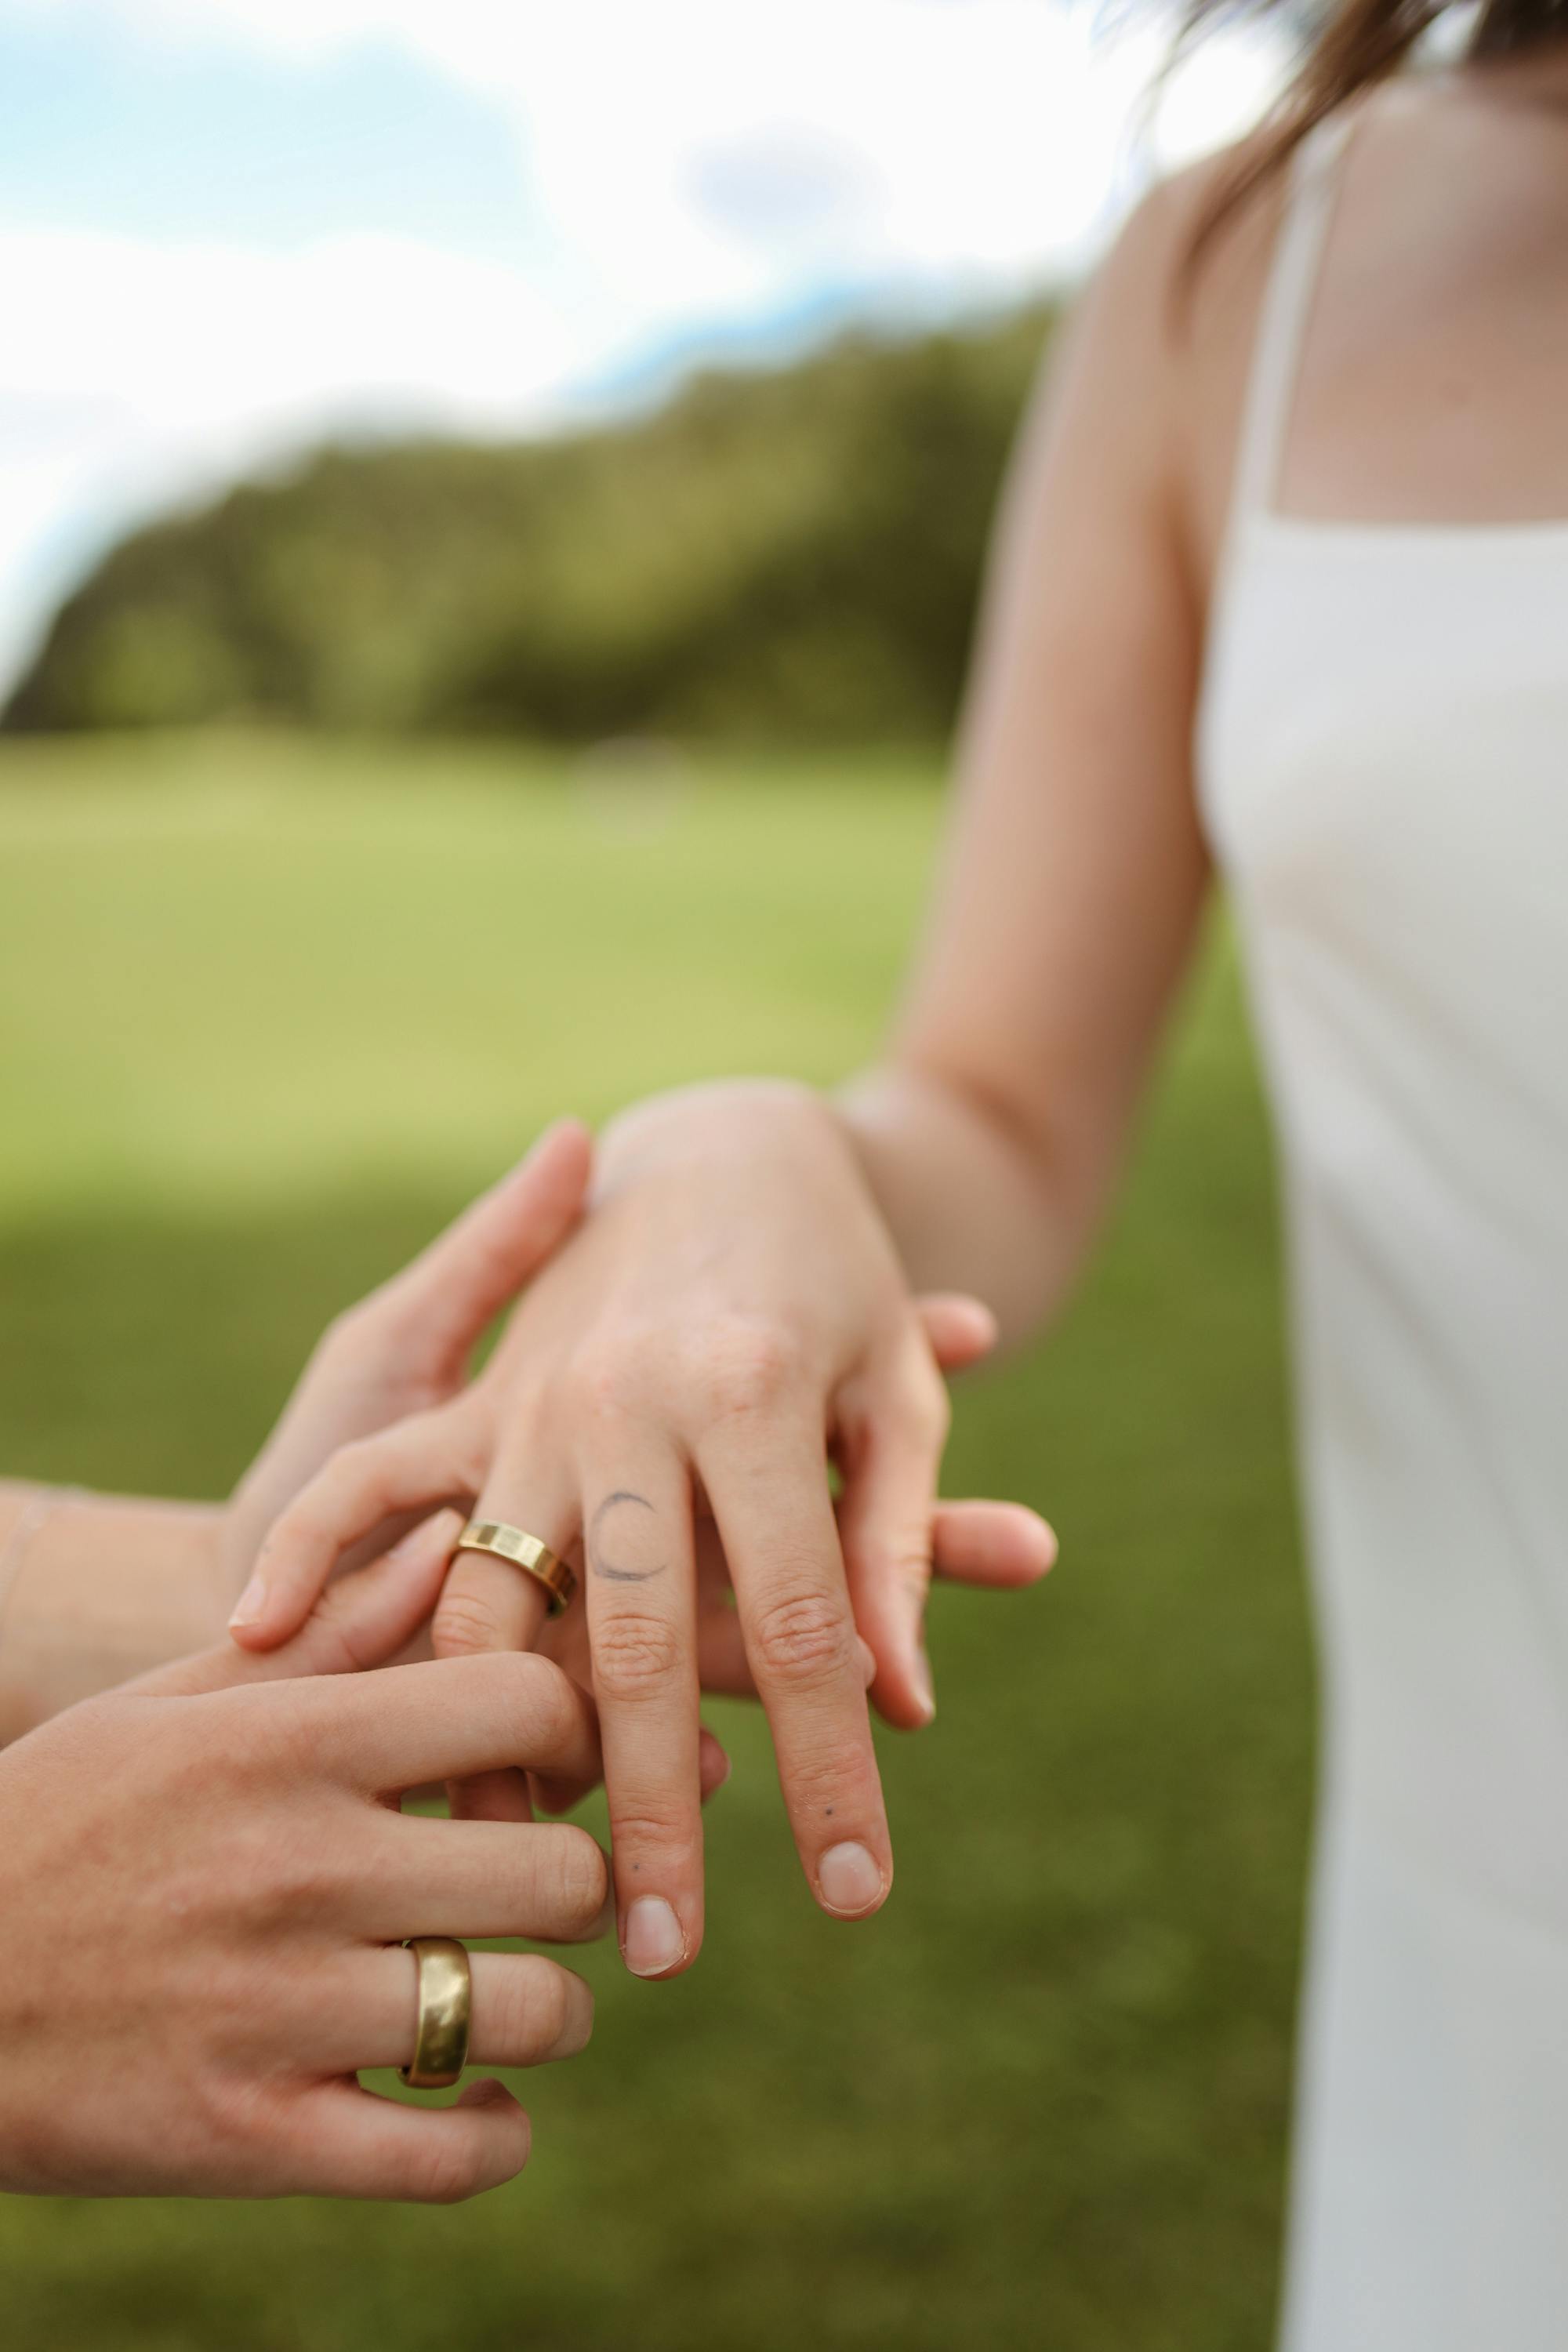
column 1282, row 320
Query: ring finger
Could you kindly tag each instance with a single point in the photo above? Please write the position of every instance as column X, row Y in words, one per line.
column 526, row 2012
column 489, row 1604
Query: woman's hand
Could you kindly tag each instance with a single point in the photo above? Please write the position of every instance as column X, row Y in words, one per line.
column 731, row 1315
column 206, row 1886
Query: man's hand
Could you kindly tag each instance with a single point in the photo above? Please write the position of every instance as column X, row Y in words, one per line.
column 207, row 1884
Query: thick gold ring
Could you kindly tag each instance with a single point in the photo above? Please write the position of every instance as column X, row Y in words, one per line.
column 443, row 2000
column 525, row 1551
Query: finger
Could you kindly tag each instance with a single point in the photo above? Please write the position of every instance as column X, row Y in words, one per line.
column 490, row 1604
column 959, row 1329
column 723, row 1667
column 713, row 1769
column 1004, row 1546
column 430, row 1459
column 527, row 2011
column 893, row 1428
column 411, row 1725
column 438, row 1308
column 775, row 1519
column 363, row 1621
column 640, row 1589
column 418, row 1875
column 343, row 2141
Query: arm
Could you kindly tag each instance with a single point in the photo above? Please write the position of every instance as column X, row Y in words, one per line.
column 97, row 1587
column 1075, row 869
column 739, row 1307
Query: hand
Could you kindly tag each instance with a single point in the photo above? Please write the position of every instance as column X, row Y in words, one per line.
column 108, row 1586
column 406, row 1349
column 206, row 1889
column 994, row 1546
column 731, row 1314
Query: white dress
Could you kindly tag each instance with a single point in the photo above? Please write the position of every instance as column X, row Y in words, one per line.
column 1383, row 747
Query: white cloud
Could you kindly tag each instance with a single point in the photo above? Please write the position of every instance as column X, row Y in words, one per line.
column 133, row 373
column 694, row 164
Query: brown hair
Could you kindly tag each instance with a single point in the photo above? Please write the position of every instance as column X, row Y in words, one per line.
column 1355, row 43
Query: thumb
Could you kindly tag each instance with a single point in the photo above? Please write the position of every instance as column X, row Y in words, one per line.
column 439, row 1307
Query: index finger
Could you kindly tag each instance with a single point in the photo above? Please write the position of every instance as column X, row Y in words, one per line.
column 446, row 1718
column 770, row 1498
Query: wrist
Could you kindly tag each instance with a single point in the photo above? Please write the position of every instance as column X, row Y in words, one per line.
column 732, row 1115
column 107, row 1588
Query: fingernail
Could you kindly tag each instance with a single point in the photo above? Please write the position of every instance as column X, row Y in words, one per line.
column 848, row 1879
column 248, row 1607
column 653, row 1939
column 924, row 1691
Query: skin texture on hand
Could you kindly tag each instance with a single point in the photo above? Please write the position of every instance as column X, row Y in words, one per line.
column 672, row 1394
column 207, row 1884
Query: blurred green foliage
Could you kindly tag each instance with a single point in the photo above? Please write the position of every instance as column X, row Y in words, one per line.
column 268, row 1015
column 792, row 555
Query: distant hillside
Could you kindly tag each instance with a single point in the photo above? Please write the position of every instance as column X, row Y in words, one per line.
column 790, row 555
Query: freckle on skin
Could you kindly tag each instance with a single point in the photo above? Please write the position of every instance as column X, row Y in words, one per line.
column 828, row 1810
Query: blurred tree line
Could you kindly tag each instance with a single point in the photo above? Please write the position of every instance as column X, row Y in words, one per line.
column 792, row 555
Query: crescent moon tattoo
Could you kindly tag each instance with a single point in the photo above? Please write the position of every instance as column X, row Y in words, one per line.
column 607, row 1568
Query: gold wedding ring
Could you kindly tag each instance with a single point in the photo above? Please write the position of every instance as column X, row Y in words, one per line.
column 443, row 2002
column 525, row 1551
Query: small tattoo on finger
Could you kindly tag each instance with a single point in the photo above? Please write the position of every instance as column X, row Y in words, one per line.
column 617, row 1572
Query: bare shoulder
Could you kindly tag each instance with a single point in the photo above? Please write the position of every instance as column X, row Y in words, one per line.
column 1171, row 316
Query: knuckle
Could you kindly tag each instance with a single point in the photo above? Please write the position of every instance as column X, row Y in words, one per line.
column 635, row 1654
column 465, row 1624
column 350, row 1332
column 832, row 1775
column 446, row 2171
column 745, row 1366
column 651, row 1827
column 803, row 1639
column 581, row 1873
column 610, row 1376
column 545, row 1695
column 930, row 1413
column 899, row 1556
column 355, row 1460
column 545, row 2007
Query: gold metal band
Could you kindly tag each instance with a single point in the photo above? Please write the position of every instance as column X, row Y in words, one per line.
column 443, row 2002
column 525, row 1551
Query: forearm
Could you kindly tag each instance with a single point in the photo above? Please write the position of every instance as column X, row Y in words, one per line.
column 973, row 1202
column 95, row 1589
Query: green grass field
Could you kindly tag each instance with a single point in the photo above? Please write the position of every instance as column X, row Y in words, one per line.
column 268, row 1013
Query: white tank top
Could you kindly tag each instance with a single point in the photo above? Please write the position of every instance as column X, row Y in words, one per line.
column 1383, row 754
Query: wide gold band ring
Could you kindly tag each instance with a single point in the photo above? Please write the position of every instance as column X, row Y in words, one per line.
column 442, row 2004
column 525, row 1551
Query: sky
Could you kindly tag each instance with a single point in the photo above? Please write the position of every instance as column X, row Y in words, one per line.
column 230, row 228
